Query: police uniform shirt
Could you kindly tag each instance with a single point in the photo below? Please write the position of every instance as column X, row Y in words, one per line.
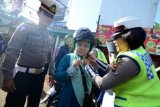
column 30, row 43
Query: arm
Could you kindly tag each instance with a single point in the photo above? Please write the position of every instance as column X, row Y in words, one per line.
column 61, row 72
column 103, row 66
column 55, row 62
column 13, row 50
column 123, row 72
column 62, row 50
column 59, row 56
column 56, row 59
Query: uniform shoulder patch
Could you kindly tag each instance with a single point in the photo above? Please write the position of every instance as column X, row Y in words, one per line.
column 21, row 28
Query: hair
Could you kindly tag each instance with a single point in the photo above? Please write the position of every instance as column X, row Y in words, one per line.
column 40, row 9
column 67, row 36
column 135, row 37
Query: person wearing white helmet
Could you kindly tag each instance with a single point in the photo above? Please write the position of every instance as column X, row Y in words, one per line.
column 27, row 58
column 133, row 77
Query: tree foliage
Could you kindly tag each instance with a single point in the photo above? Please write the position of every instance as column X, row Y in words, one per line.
column 156, row 25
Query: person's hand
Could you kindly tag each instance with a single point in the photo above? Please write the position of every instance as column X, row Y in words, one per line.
column 76, row 63
column 51, row 80
column 91, row 57
column 115, row 63
column 92, row 60
column 8, row 85
column 85, row 61
column 112, row 58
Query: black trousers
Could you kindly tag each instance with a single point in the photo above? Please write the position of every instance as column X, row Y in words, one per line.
column 28, row 86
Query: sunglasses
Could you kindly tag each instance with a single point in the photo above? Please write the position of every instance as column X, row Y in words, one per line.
column 48, row 14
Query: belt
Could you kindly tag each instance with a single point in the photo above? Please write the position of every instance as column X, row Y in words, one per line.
column 30, row 70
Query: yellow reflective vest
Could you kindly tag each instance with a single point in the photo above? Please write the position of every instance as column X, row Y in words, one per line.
column 142, row 90
column 101, row 56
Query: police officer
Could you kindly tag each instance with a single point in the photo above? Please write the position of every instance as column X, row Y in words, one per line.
column 26, row 56
column 133, row 78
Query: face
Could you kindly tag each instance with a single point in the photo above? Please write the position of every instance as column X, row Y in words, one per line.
column 121, row 45
column 70, row 42
column 82, row 47
column 45, row 18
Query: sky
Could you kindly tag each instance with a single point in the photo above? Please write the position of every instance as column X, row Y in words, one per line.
column 92, row 12
column 157, row 19
column 84, row 14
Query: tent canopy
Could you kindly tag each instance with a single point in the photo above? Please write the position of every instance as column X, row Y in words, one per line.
column 61, row 32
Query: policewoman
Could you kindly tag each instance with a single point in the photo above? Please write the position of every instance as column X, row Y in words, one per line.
column 133, row 79
column 26, row 56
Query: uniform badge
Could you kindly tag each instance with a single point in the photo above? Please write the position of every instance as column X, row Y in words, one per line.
column 21, row 28
column 53, row 8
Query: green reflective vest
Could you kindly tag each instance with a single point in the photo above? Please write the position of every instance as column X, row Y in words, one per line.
column 101, row 56
column 142, row 90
